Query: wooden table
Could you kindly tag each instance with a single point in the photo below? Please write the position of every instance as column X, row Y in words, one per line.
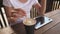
column 51, row 28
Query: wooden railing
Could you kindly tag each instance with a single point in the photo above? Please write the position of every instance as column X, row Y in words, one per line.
column 33, row 13
column 55, row 5
column 52, row 5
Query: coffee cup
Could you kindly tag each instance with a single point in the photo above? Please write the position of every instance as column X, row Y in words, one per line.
column 29, row 25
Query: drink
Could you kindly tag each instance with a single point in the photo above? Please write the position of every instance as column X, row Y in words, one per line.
column 29, row 25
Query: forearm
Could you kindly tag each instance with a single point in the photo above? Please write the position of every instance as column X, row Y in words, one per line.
column 13, row 14
column 9, row 11
column 42, row 8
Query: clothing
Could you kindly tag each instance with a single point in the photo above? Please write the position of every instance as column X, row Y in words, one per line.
column 24, row 6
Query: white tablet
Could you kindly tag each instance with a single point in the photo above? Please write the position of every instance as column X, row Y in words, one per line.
column 39, row 24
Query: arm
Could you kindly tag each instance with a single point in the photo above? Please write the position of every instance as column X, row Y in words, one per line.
column 9, row 11
column 13, row 14
column 41, row 8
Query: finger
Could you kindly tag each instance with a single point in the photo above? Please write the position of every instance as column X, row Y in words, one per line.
column 20, row 10
column 22, row 13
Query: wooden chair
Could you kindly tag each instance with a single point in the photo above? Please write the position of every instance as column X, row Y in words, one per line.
column 3, row 18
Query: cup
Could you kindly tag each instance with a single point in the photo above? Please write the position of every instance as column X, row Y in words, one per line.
column 29, row 25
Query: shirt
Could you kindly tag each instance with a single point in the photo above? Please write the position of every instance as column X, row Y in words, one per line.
column 17, row 4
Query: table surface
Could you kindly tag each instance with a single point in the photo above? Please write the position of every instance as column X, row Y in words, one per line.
column 51, row 28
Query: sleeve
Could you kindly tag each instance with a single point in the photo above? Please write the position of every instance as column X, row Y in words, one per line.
column 35, row 2
column 7, row 3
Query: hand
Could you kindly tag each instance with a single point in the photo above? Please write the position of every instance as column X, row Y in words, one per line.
column 19, row 13
column 11, row 19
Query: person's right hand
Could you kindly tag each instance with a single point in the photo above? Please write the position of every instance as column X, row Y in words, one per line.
column 19, row 13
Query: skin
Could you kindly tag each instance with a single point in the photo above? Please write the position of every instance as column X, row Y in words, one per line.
column 12, row 13
column 41, row 7
column 23, row 1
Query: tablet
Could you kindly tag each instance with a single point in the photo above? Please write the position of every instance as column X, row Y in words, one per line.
column 41, row 21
